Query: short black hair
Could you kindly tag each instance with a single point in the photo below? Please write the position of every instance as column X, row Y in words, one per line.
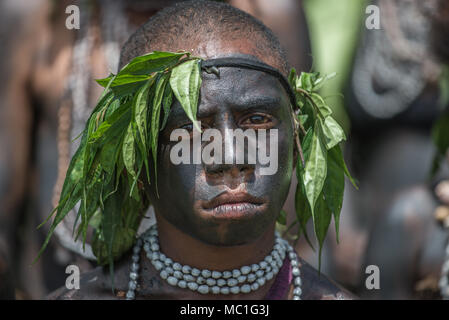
column 191, row 22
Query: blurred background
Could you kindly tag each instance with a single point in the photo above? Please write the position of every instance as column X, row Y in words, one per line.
column 392, row 84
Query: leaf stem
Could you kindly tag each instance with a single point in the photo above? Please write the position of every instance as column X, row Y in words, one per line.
column 298, row 145
column 307, row 95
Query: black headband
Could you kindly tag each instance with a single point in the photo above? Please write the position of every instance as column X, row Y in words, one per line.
column 207, row 65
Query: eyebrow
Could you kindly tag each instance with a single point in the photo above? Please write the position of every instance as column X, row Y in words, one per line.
column 248, row 103
column 242, row 104
column 258, row 101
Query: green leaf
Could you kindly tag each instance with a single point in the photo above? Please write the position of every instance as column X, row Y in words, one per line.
column 345, row 168
column 306, row 147
column 303, row 119
column 333, row 133
column 155, row 118
column 95, row 221
column 99, row 248
column 323, row 108
column 111, row 219
column 122, row 113
column 319, row 193
column 302, row 209
column 136, row 73
column 308, row 114
column 75, row 170
column 129, row 151
column 71, row 192
column 316, row 168
column 110, row 227
column 185, row 81
column 125, row 90
column 141, row 110
column 105, row 101
column 335, row 183
column 153, row 62
column 305, row 79
column 91, row 202
column 140, row 105
column 133, row 191
column 114, row 105
column 105, row 81
column 123, row 241
column 124, row 79
column 140, row 68
column 321, row 219
column 302, row 206
column 109, row 153
column 166, row 104
column 319, row 82
column 194, row 88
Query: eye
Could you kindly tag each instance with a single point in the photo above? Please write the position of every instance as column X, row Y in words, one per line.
column 188, row 126
column 257, row 120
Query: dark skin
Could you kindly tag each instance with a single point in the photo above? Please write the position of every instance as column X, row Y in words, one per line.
column 257, row 102
column 189, row 231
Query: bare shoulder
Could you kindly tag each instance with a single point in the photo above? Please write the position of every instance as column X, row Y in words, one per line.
column 97, row 284
column 317, row 286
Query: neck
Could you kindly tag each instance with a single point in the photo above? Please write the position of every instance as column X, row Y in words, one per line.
column 183, row 248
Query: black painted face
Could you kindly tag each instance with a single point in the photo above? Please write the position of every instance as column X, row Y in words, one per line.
column 227, row 204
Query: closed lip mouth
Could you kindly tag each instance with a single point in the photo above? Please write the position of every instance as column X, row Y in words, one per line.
column 233, row 199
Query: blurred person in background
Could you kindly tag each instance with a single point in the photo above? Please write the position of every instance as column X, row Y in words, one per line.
column 408, row 239
column 391, row 81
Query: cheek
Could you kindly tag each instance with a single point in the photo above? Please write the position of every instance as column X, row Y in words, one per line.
column 286, row 155
column 279, row 183
column 276, row 186
column 180, row 185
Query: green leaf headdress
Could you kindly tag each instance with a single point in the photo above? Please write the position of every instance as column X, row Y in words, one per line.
column 104, row 175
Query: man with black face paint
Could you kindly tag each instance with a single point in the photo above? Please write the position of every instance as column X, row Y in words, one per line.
column 216, row 217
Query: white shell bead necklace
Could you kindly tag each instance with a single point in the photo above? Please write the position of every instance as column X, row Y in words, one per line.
column 243, row 280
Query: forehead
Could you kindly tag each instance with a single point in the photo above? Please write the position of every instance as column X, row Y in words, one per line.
column 235, row 84
column 236, row 88
column 243, row 47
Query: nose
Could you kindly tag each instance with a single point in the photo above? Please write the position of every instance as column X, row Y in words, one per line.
column 235, row 164
column 234, row 167
column 234, row 170
column 231, row 175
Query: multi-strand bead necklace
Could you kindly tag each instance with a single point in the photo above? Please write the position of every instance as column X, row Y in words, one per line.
column 244, row 280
